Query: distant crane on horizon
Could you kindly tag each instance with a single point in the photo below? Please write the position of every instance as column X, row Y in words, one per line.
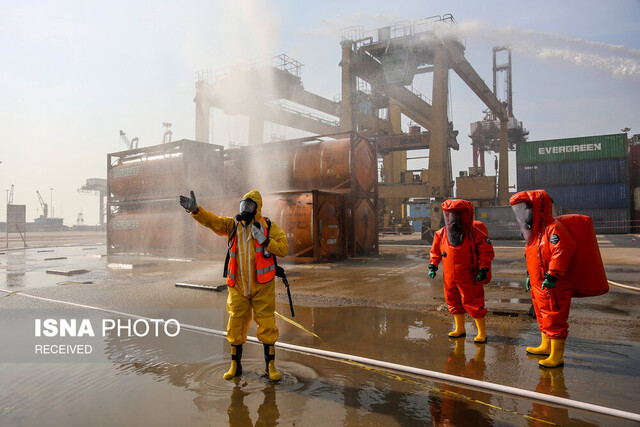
column 131, row 145
column 45, row 207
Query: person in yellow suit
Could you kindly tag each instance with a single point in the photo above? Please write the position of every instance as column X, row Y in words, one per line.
column 250, row 272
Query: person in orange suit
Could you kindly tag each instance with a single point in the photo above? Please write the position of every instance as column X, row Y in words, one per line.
column 549, row 249
column 466, row 252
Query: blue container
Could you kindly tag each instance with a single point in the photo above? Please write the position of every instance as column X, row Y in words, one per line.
column 609, row 221
column 601, row 196
column 587, row 172
column 417, row 211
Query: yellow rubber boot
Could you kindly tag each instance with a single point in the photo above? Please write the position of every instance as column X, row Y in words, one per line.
column 481, row 338
column 543, row 348
column 460, row 330
column 269, row 358
column 236, row 362
column 556, row 358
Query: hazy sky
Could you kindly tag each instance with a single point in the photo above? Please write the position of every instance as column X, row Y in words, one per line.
column 75, row 72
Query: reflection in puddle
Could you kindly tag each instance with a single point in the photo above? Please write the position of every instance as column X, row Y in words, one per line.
column 418, row 332
column 510, row 300
column 164, row 380
column 27, row 279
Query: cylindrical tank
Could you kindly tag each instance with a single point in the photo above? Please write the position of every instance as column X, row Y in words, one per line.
column 322, row 165
column 165, row 171
column 365, row 226
column 306, row 167
column 295, row 214
column 137, row 179
column 365, row 166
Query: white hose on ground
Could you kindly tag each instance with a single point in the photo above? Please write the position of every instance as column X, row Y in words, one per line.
column 342, row 357
column 620, row 285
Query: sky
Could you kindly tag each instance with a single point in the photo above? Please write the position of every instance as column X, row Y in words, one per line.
column 75, row 73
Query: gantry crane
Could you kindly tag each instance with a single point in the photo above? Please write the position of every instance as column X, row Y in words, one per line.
column 45, row 207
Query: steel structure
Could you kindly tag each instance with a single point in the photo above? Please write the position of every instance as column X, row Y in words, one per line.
column 263, row 90
column 388, row 60
column 485, row 135
column 97, row 185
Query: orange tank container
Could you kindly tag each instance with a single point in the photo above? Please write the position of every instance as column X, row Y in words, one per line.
column 317, row 165
column 365, row 227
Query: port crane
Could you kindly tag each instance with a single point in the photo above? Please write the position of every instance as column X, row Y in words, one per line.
column 45, row 207
column 131, row 145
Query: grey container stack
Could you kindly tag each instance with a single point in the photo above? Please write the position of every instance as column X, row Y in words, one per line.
column 634, row 177
column 584, row 175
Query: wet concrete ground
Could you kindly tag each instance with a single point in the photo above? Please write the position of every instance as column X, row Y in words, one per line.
column 383, row 308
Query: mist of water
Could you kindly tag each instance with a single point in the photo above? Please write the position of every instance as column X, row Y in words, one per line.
column 618, row 61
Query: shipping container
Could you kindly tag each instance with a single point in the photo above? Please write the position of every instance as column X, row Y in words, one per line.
column 603, row 196
column 635, row 222
column 608, row 221
column 586, row 172
column 636, row 198
column 571, row 149
column 634, row 165
column 417, row 213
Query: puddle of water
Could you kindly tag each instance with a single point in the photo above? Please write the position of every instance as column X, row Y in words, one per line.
column 116, row 266
column 172, row 388
column 510, row 300
column 27, row 279
column 511, row 284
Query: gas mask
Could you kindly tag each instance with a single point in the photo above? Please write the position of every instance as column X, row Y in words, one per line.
column 248, row 209
column 455, row 228
column 524, row 215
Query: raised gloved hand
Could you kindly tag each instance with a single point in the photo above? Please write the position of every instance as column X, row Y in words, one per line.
column 257, row 233
column 482, row 274
column 432, row 271
column 549, row 281
column 527, row 284
column 189, row 203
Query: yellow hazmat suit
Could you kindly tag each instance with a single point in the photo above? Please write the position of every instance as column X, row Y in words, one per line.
column 248, row 295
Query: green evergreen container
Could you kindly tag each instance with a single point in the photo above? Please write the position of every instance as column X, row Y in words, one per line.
column 572, row 149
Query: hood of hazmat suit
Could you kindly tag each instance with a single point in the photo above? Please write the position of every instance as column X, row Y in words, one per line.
column 533, row 211
column 458, row 219
column 250, row 207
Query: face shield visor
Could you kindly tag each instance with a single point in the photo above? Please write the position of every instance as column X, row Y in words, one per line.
column 455, row 227
column 524, row 215
column 248, row 209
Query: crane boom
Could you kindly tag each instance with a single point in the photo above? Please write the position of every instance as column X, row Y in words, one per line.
column 45, row 207
column 133, row 144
